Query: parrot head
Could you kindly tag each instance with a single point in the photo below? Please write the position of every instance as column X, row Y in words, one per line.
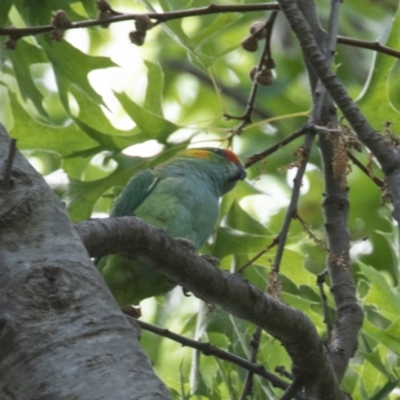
column 222, row 166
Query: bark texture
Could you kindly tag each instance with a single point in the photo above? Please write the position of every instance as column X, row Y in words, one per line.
column 62, row 335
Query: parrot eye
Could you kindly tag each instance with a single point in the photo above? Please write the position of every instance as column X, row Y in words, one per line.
column 220, row 152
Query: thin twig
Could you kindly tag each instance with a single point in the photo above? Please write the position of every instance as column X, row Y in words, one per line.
column 159, row 17
column 168, row 16
column 9, row 162
column 317, row 240
column 291, row 212
column 292, row 390
column 257, row 256
column 327, row 318
column 259, row 156
column 330, row 49
column 255, row 345
column 363, row 168
column 368, row 45
column 209, row 350
column 281, row 370
column 269, row 26
column 236, row 94
column 272, row 286
column 266, row 53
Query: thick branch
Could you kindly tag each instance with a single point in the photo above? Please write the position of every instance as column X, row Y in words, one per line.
column 62, row 335
column 335, row 207
column 128, row 236
column 387, row 156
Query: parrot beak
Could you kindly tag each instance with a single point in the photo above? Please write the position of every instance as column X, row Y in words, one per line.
column 240, row 174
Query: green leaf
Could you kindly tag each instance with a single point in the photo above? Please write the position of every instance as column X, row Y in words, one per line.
column 174, row 29
column 305, row 305
column 5, row 6
column 375, row 360
column 155, row 85
column 375, row 102
column 154, row 126
column 388, row 337
column 96, row 125
column 39, row 12
column 32, row 134
column 230, row 241
column 292, row 266
column 242, row 189
column 245, row 188
column 22, row 58
column 221, row 22
column 90, row 8
column 71, row 67
column 239, row 219
column 385, row 390
column 83, row 195
column 381, row 294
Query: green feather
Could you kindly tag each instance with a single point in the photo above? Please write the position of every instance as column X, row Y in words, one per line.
column 180, row 196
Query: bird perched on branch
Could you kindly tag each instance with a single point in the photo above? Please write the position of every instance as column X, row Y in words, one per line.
column 180, row 196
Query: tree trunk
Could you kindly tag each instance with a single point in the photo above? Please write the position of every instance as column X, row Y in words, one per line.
column 62, row 335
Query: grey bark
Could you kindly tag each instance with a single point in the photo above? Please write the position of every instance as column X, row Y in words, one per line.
column 387, row 155
column 349, row 315
column 62, row 335
column 130, row 237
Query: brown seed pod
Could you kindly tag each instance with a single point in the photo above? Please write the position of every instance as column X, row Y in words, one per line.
column 143, row 23
column 104, row 16
column 103, row 6
column 269, row 63
column 137, row 37
column 264, row 77
column 60, row 20
column 57, row 34
column 249, row 43
column 258, row 30
column 11, row 43
column 252, row 73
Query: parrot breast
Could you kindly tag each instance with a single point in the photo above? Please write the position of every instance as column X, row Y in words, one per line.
column 182, row 208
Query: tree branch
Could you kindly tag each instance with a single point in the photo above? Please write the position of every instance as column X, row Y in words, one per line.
column 265, row 57
column 159, row 17
column 62, row 335
column 292, row 208
column 248, row 382
column 5, row 176
column 292, row 390
column 364, row 169
column 327, row 318
column 387, row 156
column 368, row 45
column 130, row 237
column 335, row 205
column 236, row 94
column 260, row 156
column 209, row 350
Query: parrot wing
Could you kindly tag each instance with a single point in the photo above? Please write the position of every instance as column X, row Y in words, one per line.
column 135, row 192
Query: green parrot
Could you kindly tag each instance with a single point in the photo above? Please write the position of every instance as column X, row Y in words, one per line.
column 180, row 196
